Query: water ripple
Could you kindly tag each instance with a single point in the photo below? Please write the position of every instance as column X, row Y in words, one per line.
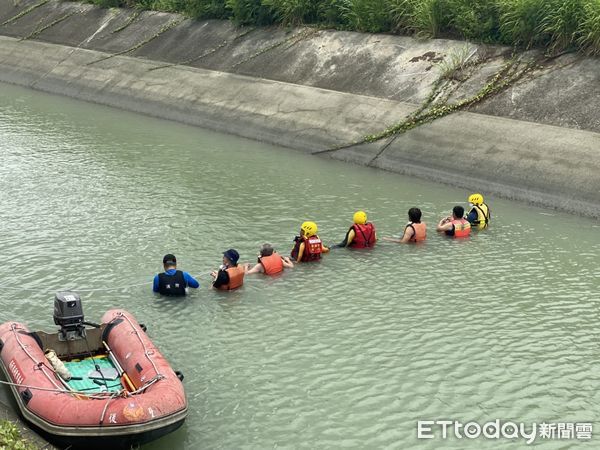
column 346, row 353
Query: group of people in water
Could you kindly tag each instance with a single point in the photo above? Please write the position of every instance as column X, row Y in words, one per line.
column 309, row 247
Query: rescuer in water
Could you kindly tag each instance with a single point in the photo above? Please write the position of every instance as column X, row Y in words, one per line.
column 270, row 262
column 308, row 246
column 361, row 234
column 415, row 230
column 456, row 225
column 479, row 216
column 173, row 282
column 230, row 275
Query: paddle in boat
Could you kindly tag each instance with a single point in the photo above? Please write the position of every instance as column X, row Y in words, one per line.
column 92, row 384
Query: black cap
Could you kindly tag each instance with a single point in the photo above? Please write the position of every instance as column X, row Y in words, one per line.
column 170, row 259
column 232, row 255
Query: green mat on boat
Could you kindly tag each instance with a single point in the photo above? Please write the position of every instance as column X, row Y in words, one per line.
column 86, row 366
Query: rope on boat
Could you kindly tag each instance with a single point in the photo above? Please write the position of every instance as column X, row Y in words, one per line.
column 39, row 364
column 98, row 395
column 158, row 374
column 105, row 408
column 60, row 390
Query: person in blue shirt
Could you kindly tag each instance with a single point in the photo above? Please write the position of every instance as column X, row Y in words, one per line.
column 173, row 282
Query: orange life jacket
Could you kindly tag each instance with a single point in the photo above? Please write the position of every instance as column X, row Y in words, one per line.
column 272, row 264
column 419, row 231
column 364, row 236
column 236, row 278
column 313, row 247
column 462, row 228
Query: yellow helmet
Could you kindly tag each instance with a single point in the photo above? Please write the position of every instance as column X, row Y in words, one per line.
column 476, row 199
column 309, row 228
column 360, row 217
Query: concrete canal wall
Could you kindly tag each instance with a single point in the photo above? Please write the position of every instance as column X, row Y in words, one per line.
column 537, row 139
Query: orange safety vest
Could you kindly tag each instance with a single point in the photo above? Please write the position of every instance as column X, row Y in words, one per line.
column 462, row 228
column 420, row 231
column 272, row 264
column 364, row 236
column 236, row 278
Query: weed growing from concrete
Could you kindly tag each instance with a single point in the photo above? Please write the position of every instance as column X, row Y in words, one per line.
column 304, row 34
column 132, row 18
column 162, row 30
column 24, row 12
column 510, row 73
column 205, row 54
column 450, row 68
column 50, row 25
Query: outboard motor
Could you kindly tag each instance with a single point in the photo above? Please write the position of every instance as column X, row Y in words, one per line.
column 68, row 313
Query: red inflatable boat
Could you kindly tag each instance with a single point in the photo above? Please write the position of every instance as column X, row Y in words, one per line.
column 110, row 386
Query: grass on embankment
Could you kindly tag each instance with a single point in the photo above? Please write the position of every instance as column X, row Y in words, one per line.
column 10, row 437
column 557, row 25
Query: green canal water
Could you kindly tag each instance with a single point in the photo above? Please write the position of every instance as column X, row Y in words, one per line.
column 347, row 353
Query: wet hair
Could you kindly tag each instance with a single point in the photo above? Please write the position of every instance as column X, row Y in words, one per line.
column 458, row 211
column 266, row 250
column 414, row 215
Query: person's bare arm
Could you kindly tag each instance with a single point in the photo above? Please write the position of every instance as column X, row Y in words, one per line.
column 258, row 268
column 409, row 232
column 287, row 262
column 445, row 224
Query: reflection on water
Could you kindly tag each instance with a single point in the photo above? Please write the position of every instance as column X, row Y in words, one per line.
column 350, row 352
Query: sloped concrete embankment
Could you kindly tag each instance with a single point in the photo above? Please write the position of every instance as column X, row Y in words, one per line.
column 318, row 90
